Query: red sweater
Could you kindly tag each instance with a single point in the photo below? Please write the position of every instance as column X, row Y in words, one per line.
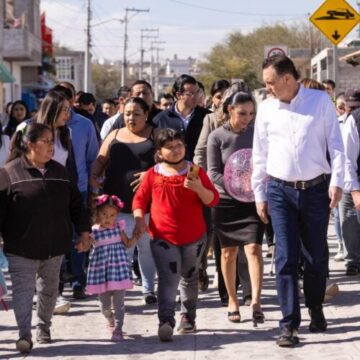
column 176, row 213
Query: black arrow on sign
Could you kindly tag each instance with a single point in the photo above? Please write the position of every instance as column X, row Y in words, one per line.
column 336, row 35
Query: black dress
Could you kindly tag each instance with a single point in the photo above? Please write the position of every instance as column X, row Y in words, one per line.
column 125, row 160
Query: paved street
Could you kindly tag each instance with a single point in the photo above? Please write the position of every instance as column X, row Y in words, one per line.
column 81, row 333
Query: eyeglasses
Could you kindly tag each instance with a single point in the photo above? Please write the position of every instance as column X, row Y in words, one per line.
column 46, row 141
column 66, row 109
column 139, row 93
column 192, row 94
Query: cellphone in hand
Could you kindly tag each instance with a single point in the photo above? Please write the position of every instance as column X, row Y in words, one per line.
column 193, row 171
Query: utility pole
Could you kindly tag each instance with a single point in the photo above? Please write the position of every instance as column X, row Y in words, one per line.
column 87, row 72
column 124, row 63
column 142, row 50
column 155, row 79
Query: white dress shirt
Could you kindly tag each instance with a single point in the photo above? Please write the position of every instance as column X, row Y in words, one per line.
column 108, row 124
column 184, row 119
column 291, row 139
column 352, row 148
column 4, row 149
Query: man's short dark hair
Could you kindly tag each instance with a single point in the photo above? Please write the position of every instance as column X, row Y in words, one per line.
column 87, row 98
column 141, row 82
column 329, row 82
column 282, row 65
column 109, row 101
column 123, row 91
column 166, row 96
column 180, row 82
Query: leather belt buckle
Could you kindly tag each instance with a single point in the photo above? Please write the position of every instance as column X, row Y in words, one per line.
column 300, row 185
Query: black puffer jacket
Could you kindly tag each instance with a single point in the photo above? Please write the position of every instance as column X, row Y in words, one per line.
column 37, row 211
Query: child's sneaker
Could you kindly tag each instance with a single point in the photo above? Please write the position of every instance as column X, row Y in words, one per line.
column 165, row 332
column 117, row 336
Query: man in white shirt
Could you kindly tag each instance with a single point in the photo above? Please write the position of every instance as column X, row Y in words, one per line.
column 294, row 131
column 350, row 203
column 123, row 95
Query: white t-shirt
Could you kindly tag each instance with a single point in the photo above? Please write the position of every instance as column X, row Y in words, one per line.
column 4, row 149
column 60, row 153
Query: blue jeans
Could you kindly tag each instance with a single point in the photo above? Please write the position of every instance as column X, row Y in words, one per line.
column 299, row 215
column 78, row 259
column 350, row 230
column 337, row 225
column 146, row 260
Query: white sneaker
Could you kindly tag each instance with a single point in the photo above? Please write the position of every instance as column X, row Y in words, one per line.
column 62, row 305
column 339, row 256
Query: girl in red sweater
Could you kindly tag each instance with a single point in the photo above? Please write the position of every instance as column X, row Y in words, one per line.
column 176, row 226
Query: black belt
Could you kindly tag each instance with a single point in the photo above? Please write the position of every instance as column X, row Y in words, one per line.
column 302, row 185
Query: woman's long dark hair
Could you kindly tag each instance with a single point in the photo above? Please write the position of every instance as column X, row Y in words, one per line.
column 50, row 108
column 12, row 124
column 19, row 142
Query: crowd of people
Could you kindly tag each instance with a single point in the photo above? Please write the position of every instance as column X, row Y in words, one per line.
column 92, row 194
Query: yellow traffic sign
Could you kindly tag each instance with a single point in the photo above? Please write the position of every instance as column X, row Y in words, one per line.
column 335, row 19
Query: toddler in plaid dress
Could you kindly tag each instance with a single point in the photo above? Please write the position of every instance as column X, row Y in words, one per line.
column 109, row 273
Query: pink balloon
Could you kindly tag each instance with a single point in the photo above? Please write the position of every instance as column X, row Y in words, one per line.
column 237, row 175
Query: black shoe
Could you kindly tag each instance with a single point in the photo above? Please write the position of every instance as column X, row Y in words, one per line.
column 186, row 325
column 318, row 322
column 224, row 300
column 203, row 280
column 79, row 293
column 288, row 337
column 149, row 298
column 352, row 270
column 43, row 336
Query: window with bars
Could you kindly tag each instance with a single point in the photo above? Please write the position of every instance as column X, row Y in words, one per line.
column 65, row 68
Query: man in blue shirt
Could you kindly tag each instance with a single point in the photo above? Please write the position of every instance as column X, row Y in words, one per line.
column 86, row 148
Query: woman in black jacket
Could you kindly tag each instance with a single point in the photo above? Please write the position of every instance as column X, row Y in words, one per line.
column 38, row 204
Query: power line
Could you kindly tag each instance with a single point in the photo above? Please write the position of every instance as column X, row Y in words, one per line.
column 231, row 11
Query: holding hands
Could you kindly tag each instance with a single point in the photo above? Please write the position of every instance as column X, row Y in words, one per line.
column 84, row 243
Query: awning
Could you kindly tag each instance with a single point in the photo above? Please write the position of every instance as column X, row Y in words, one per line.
column 352, row 59
column 5, row 74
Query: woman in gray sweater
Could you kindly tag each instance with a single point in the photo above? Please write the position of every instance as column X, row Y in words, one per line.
column 211, row 122
column 236, row 223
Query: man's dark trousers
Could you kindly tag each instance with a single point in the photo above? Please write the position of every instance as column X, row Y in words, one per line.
column 304, row 215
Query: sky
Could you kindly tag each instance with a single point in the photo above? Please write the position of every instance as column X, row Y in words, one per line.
column 185, row 27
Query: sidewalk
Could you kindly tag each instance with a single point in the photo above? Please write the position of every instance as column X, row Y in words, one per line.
column 81, row 333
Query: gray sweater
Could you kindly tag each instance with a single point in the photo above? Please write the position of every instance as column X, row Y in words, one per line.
column 223, row 142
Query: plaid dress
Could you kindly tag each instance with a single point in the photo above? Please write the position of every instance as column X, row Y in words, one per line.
column 109, row 266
